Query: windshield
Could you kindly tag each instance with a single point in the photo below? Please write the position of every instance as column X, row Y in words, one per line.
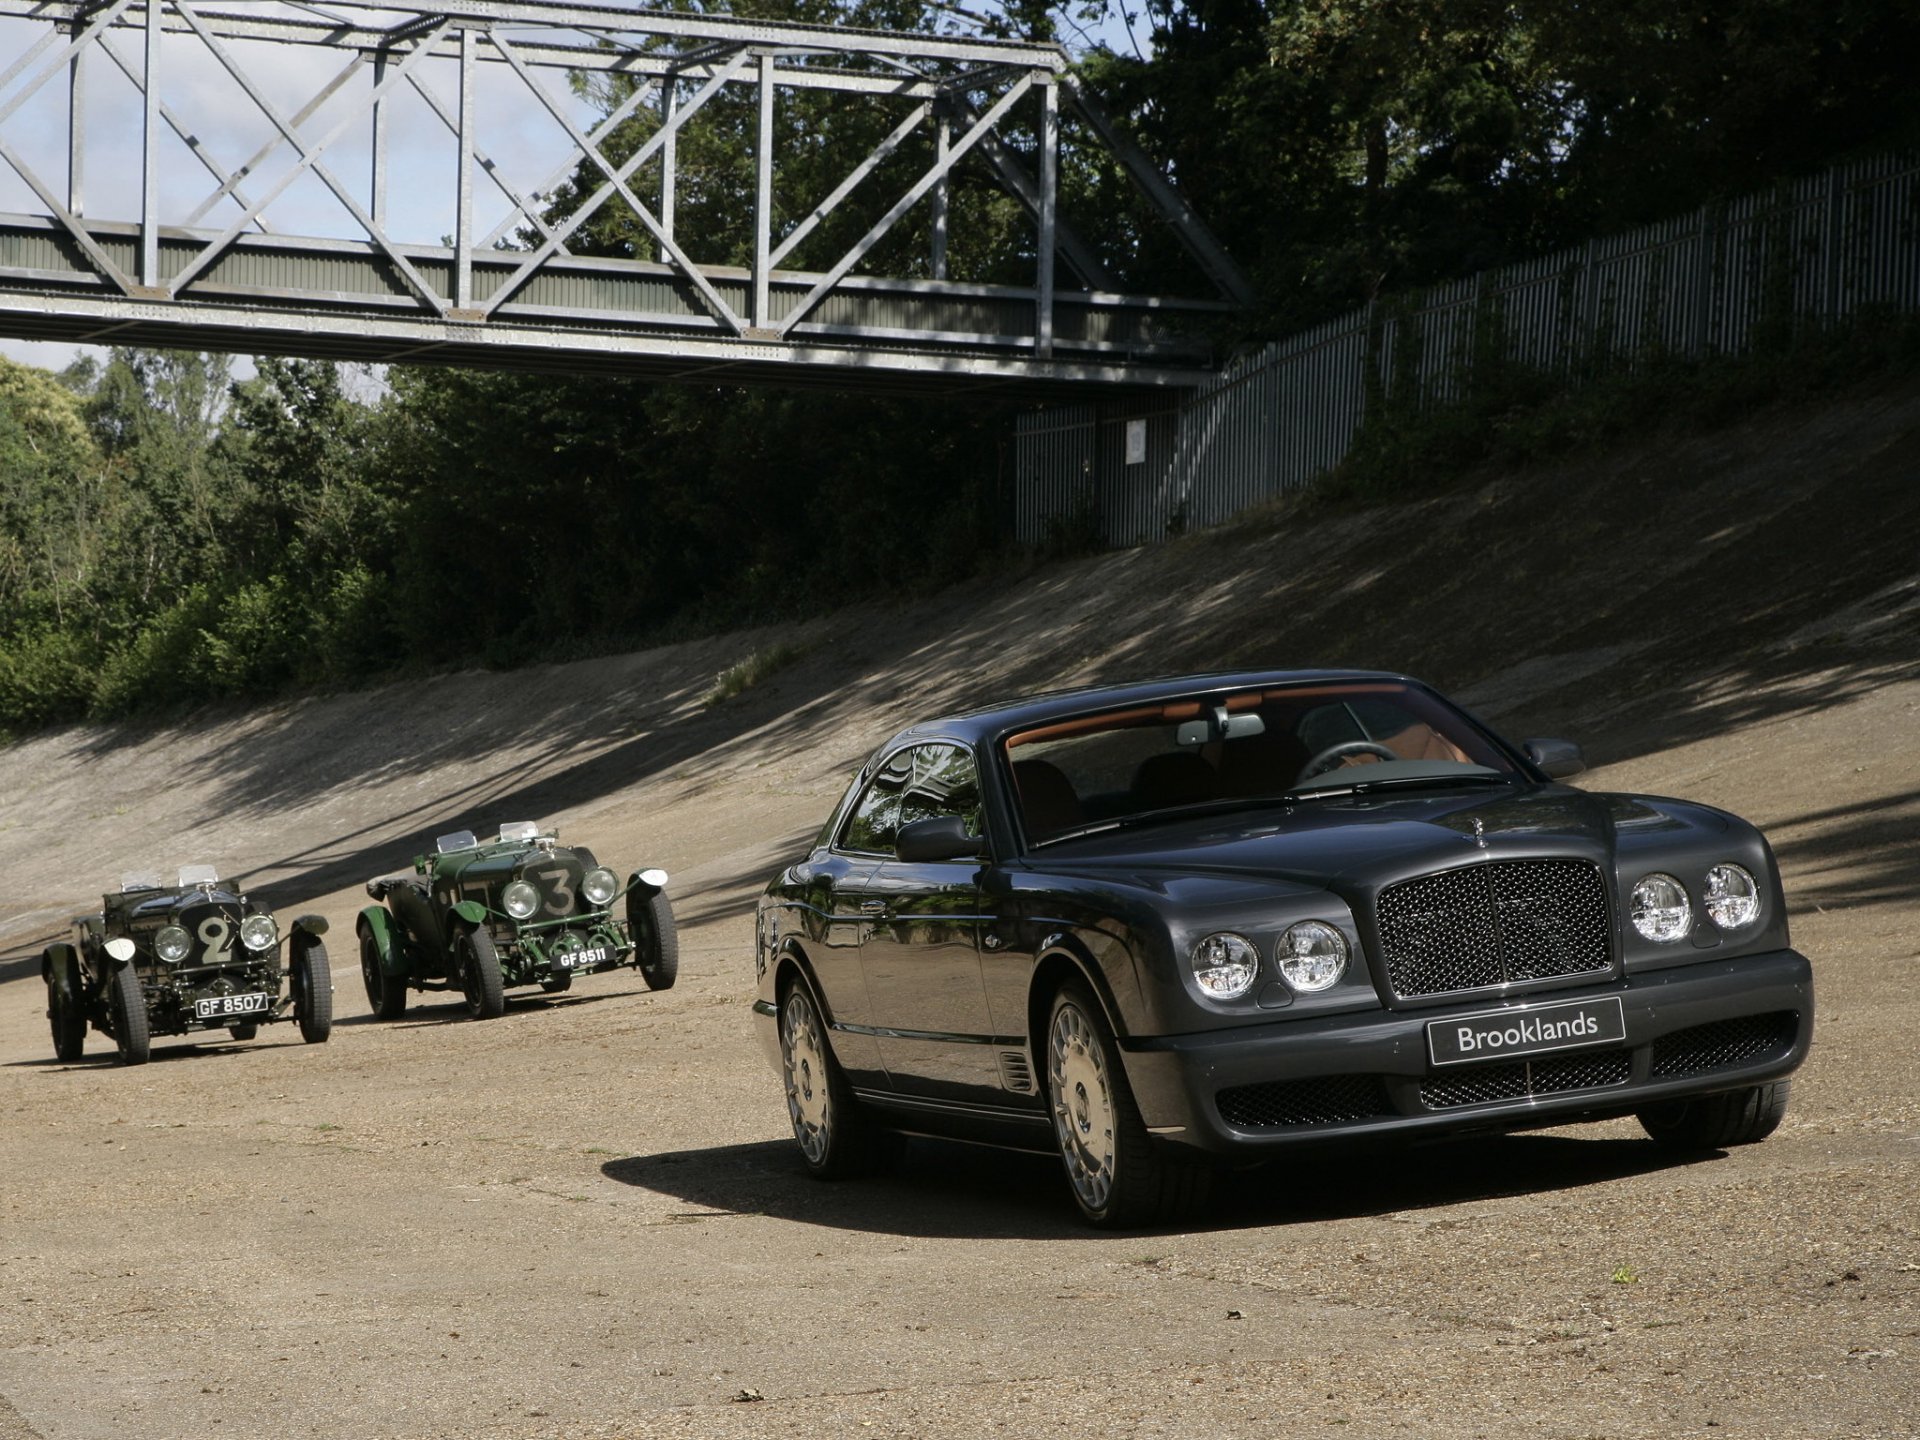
column 1233, row 748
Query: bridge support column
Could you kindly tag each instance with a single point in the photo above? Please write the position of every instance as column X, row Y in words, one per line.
column 1049, row 185
column 149, row 156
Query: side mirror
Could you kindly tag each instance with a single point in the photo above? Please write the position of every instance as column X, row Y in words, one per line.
column 1560, row 759
column 944, row 837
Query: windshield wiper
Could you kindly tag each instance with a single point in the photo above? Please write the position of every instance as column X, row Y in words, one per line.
column 1367, row 787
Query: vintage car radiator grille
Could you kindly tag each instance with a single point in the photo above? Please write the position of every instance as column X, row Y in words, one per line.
column 1517, row 1080
column 1725, row 1043
column 1325, row 1100
column 1490, row 924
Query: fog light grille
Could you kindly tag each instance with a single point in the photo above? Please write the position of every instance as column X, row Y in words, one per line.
column 1725, row 1044
column 1325, row 1100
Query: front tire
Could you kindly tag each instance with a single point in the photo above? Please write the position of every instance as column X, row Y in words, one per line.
column 1117, row 1175
column 1715, row 1122
column 65, row 1017
column 127, row 1012
column 386, row 994
column 656, row 940
column 836, row 1138
column 312, row 980
column 480, row 974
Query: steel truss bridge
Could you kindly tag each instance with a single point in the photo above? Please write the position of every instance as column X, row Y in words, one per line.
column 350, row 181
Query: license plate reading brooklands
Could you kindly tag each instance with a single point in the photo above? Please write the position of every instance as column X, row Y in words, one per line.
column 216, row 1005
column 1526, row 1030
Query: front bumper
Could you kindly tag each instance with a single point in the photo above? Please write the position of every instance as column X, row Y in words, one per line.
column 1692, row 1030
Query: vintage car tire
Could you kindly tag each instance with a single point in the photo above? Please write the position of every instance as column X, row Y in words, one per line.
column 656, row 940
column 312, row 979
column 386, row 994
column 68, row 1022
column 480, row 977
column 1714, row 1122
column 127, row 1011
column 245, row 1030
column 837, row 1138
column 1118, row 1176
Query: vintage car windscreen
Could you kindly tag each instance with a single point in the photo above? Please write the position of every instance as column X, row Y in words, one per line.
column 1228, row 749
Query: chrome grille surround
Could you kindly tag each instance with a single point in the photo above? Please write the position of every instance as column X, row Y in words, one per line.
column 1494, row 923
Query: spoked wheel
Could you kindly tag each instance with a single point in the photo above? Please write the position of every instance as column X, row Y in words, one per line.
column 656, row 941
column 127, row 1011
column 386, row 994
column 65, row 1017
column 1117, row 1176
column 480, row 974
column 836, row 1139
column 1713, row 1122
column 312, row 981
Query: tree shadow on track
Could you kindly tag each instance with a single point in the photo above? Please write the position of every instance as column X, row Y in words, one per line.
column 947, row 1190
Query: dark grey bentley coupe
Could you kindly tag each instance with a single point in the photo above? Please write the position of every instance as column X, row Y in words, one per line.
column 1163, row 925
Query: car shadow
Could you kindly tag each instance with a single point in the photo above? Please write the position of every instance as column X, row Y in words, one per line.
column 948, row 1190
column 164, row 1051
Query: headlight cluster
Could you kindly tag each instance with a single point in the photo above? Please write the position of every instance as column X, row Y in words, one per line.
column 171, row 944
column 258, row 932
column 521, row 898
column 1662, row 911
column 1310, row 956
column 599, row 886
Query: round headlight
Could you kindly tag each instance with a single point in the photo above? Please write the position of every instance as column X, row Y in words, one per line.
column 1224, row 965
column 521, row 899
column 171, row 944
column 599, row 886
column 1311, row 955
column 1733, row 896
column 1660, row 908
column 258, row 932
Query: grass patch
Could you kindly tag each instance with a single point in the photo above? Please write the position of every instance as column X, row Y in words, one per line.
column 754, row 670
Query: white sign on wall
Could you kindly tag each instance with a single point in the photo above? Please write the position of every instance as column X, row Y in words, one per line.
column 1136, row 442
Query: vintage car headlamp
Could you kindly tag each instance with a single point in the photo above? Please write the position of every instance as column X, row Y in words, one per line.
column 258, row 932
column 1312, row 955
column 599, row 886
column 1733, row 896
column 171, row 944
column 521, row 899
column 1224, row 965
column 1660, row 909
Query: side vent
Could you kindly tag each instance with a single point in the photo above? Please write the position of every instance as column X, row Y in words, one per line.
column 1015, row 1073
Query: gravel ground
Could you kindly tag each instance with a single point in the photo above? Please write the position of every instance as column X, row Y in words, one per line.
column 586, row 1218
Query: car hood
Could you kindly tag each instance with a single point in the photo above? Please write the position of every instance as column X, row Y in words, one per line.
column 1363, row 841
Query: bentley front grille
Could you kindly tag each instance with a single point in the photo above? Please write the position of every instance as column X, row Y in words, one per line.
column 1326, row 1100
column 1517, row 1080
column 1491, row 924
column 1725, row 1044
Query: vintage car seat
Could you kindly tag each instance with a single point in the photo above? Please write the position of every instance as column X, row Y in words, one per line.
column 1174, row 777
column 1048, row 803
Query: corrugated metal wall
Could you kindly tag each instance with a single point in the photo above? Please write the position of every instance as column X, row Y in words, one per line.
column 1703, row 284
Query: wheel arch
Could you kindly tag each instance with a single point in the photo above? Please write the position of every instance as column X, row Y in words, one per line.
column 376, row 924
column 1064, row 960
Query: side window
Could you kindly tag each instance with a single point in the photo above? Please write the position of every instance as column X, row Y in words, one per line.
column 945, row 782
column 876, row 815
column 919, row 783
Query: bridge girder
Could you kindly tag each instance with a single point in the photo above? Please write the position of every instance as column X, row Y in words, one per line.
column 150, row 266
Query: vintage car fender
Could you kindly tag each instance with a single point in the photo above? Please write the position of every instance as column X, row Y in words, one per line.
column 647, row 882
column 314, row 925
column 375, row 921
column 471, row 911
column 60, row 964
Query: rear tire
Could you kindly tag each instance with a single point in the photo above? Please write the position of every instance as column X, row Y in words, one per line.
column 480, row 974
column 1715, row 1122
column 656, row 940
column 386, row 994
column 312, row 980
column 65, row 1016
column 127, row 1013
column 1118, row 1176
column 837, row 1139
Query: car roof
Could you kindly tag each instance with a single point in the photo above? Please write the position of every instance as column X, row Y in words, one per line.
column 991, row 720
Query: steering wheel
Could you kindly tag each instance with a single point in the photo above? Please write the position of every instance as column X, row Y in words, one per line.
column 1324, row 761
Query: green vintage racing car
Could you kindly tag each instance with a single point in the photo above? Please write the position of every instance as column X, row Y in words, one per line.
column 482, row 917
column 196, row 956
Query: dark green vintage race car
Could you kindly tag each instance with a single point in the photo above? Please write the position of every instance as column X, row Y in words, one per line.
column 481, row 917
column 198, row 955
